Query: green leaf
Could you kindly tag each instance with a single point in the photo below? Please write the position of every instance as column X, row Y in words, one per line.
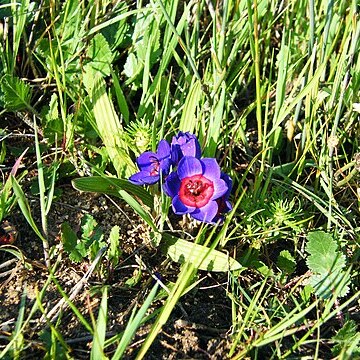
column 135, row 278
column 286, row 262
column 100, row 55
column 79, row 253
column 131, row 67
column 109, row 128
column 97, row 350
column 89, row 227
column 189, row 117
column 16, row 94
column 121, row 99
column 117, row 18
column 200, row 256
column 90, row 242
column 55, row 348
column 2, row 152
column 114, row 251
column 92, row 237
column 134, row 324
column 53, row 112
column 144, row 28
column 345, row 339
column 53, row 124
column 88, row 184
column 323, row 255
column 146, row 48
column 262, row 268
column 215, row 121
column 111, row 186
column 70, row 241
column 96, row 245
column 25, row 207
column 327, row 265
column 18, row 331
column 118, row 33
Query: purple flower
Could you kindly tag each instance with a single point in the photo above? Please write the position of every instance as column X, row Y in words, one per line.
column 224, row 205
column 184, row 144
column 152, row 164
column 195, row 188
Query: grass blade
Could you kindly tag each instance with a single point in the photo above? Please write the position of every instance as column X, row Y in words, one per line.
column 97, row 350
column 25, row 207
column 133, row 325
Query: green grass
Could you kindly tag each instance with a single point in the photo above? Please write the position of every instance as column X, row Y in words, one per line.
column 271, row 89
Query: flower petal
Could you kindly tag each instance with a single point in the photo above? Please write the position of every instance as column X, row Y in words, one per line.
column 189, row 166
column 143, row 178
column 179, row 139
column 146, row 160
column 211, row 169
column 172, row 185
column 165, row 166
column 191, row 148
column 220, row 188
column 207, row 213
column 163, row 150
column 229, row 183
column 184, row 144
column 180, row 208
column 228, row 206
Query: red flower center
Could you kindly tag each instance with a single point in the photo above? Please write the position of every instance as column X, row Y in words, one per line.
column 196, row 191
column 155, row 166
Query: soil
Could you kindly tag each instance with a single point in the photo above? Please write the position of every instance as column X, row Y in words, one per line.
column 198, row 328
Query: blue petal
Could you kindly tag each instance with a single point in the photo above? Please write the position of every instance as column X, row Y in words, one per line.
column 146, row 160
column 172, row 185
column 189, row 166
column 191, row 148
column 165, row 165
column 163, row 150
column 176, row 153
column 188, row 149
column 229, row 183
column 206, row 213
column 211, row 169
column 228, row 206
column 144, row 178
column 180, row 208
column 220, row 188
column 184, row 144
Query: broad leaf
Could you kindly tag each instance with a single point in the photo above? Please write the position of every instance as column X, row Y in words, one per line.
column 109, row 127
column 286, row 262
column 324, row 257
column 100, row 55
column 327, row 265
column 112, row 186
column 200, row 256
column 114, row 251
column 16, row 93
column 70, row 240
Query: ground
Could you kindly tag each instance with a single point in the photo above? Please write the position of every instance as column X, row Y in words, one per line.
column 198, row 328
